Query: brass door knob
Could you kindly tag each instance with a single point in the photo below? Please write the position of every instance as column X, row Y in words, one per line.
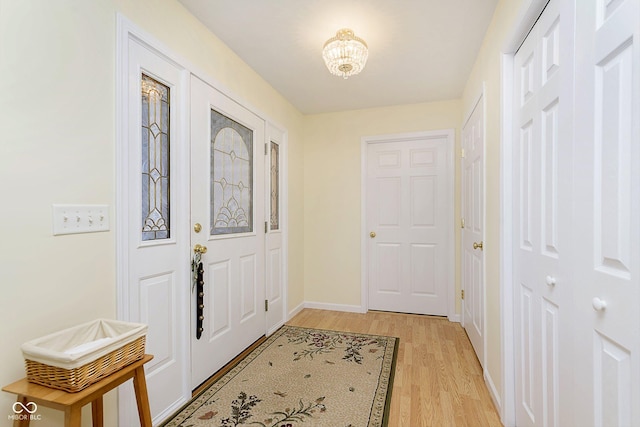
column 477, row 245
column 372, row 234
column 200, row 249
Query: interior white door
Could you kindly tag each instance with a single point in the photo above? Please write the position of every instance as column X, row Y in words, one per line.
column 607, row 206
column 153, row 228
column 473, row 229
column 409, row 218
column 227, row 201
column 542, row 219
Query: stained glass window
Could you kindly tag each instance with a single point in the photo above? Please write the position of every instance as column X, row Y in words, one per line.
column 275, row 186
column 155, row 159
column 231, row 176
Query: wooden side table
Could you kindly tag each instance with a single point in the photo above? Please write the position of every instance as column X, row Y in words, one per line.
column 72, row 403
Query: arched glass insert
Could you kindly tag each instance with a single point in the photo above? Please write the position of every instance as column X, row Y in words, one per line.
column 231, row 176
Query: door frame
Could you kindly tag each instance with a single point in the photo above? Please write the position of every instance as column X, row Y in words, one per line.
column 126, row 33
column 529, row 13
column 365, row 141
column 479, row 101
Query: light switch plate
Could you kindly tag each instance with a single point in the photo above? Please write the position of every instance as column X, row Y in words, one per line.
column 71, row 219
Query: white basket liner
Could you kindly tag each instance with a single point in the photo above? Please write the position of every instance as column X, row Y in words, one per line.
column 82, row 344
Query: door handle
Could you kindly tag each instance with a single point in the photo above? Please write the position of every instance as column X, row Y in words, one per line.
column 372, row 234
column 200, row 249
column 598, row 304
column 477, row 245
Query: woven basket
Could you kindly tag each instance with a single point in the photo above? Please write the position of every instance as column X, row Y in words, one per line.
column 77, row 372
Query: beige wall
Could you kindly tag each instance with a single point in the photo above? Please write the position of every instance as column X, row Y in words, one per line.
column 332, row 181
column 57, row 115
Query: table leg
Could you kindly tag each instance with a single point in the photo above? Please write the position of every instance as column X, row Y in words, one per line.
column 73, row 416
column 142, row 398
column 24, row 420
column 96, row 412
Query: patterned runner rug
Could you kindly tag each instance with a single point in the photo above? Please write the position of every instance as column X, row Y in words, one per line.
column 312, row 377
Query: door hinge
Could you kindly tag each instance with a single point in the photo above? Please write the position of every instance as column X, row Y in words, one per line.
column 462, row 153
column 461, row 222
column 266, row 148
column 266, row 227
column 462, row 294
column 266, row 305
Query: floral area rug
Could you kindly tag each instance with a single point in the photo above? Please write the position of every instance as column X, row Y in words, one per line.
column 301, row 376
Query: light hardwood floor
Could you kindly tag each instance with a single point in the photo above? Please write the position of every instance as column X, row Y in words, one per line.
column 438, row 380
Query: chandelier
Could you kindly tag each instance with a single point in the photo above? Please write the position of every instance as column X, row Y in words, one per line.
column 345, row 54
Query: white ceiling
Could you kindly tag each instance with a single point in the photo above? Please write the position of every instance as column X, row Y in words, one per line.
column 419, row 50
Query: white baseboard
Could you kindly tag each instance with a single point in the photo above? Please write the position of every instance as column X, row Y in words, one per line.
column 493, row 392
column 346, row 308
column 334, row 307
column 296, row 310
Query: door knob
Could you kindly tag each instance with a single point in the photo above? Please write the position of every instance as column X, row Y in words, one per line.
column 477, row 245
column 200, row 249
column 372, row 234
column 551, row 281
column 598, row 304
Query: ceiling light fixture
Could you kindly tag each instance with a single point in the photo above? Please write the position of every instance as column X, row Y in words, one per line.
column 345, row 54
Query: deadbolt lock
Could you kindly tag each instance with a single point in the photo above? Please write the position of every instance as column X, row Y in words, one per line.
column 197, row 227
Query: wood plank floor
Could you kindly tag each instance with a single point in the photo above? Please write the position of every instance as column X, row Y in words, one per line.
column 438, row 380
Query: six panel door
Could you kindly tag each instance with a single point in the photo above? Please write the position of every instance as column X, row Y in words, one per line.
column 408, row 219
column 542, row 243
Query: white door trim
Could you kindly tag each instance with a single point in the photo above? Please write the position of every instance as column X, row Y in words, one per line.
column 127, row 31
column 364, row 142
column 528, row 16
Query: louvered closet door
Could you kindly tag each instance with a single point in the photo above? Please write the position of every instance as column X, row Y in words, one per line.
column 607, row 214
column 542, row 163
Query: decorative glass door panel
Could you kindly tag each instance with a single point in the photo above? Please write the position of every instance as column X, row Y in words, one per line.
column 155, row 159
column 275, row 186
column 227, row 198
column 231, row 176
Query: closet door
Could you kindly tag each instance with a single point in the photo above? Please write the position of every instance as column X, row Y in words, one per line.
column 607, row 214
column 542, row 165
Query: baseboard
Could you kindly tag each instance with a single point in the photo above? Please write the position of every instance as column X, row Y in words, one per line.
column 454, row 318
column 493, row 391
column 296, row 310
column 275, row 327
column 334, row 307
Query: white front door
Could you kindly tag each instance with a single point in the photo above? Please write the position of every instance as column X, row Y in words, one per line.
column 409, row 222
column 227, row 217
column 607, row 206
column 473, row 229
